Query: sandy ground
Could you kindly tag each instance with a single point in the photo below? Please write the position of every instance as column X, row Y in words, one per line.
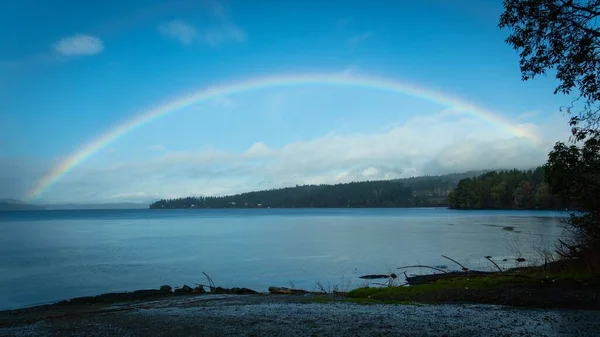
column 262, row 315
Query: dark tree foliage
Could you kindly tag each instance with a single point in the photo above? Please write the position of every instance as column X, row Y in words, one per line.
column 573, row 174
column 367, row 194
column 411, row 192
column 564, row 36
column 504, row 190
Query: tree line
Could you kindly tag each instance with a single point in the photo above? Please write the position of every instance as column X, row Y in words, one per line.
column 492, row 190
column 512, row 189
column 364, row 194
column 426, row 191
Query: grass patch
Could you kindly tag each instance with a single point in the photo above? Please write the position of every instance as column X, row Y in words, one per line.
column 486, row 288
column 455, row 286
column 568, row 276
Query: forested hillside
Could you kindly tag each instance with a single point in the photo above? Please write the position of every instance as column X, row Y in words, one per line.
column 512, row 189
column 411, row 192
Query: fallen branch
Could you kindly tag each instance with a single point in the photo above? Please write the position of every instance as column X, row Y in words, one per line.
column 489, row 258
column 210, row 282
column 421, row 266
column 463, row 267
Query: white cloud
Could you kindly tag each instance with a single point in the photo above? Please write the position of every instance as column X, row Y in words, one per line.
column 186, row 33
column 258, row 150
column 355, row 40
column 79, row 45
column 370, row 172
column 179, row 30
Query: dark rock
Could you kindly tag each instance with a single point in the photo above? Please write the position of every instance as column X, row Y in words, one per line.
column 184, row 290
column 220, row 290
column 243, row 291
column 199, row 290
column 116, row 297
column 166, row 288
column 147, row 292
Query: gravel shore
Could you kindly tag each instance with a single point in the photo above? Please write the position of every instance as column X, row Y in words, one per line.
column 262, row 315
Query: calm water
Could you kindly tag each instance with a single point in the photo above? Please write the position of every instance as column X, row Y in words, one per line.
column 47, row 256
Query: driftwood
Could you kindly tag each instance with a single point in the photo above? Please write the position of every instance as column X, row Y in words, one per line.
column 286, row 291
column 210, row 282
column 374, row 276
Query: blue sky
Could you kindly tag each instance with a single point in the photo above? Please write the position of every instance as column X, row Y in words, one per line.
column 72, row 70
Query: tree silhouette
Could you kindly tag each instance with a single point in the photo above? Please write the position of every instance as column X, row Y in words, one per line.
column 560, row 35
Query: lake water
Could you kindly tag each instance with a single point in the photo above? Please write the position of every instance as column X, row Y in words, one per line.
column 47, row 256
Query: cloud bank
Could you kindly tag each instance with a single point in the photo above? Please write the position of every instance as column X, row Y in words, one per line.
column 434, row 144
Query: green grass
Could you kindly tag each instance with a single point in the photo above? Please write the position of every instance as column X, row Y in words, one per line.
column 430, row 290
column 451, row 288
column 570, row 275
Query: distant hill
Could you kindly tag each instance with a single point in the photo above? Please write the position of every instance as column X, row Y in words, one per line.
column 426, row 191
column 16, row 205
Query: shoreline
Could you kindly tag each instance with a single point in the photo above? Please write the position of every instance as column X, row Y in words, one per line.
column 474, row 303
column 294, row 315
column 554, row 285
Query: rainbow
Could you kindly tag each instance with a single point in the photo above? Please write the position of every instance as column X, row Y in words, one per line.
column 343, row 79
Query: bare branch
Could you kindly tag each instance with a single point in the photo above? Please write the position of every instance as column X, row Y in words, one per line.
column 463, row 267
